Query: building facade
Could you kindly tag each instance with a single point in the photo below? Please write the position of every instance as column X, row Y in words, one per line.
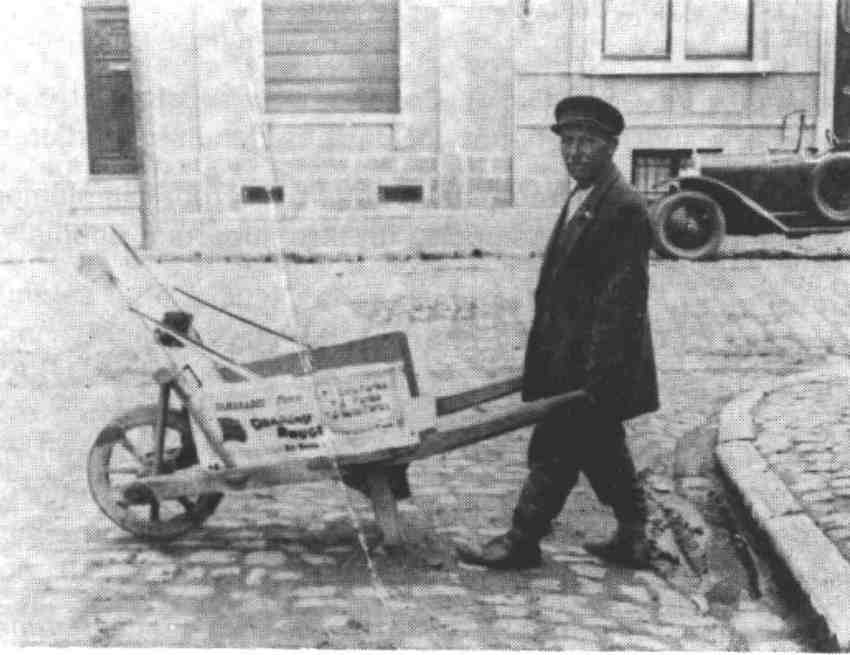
column 289, row 124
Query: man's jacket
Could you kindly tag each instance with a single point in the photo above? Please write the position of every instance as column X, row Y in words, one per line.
column 591, row 326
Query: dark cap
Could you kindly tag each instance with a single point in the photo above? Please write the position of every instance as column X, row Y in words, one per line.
column 588, row 110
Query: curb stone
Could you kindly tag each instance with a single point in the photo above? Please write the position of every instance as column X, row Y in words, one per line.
column 812, row 559
column 357, row 255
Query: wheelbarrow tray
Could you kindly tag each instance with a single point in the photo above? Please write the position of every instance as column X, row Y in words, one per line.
column 432, row 442
column 441, row 435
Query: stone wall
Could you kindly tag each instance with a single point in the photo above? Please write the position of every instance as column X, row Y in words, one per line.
column 478, row 82
column 688, row 106
column 42, row 114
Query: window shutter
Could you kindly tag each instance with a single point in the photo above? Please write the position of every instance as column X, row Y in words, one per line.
column 109, row 92
column 331, row 55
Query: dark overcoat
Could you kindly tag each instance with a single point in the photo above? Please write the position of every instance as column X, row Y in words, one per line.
column 591, row 326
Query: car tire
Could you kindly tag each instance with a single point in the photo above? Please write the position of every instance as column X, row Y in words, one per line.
column 831, row 186
column 688, row 225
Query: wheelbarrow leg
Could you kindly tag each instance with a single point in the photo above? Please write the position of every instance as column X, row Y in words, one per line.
column 384, row 505
column 162, row 417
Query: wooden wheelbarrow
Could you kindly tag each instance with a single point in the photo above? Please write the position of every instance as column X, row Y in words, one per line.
column 284, row 420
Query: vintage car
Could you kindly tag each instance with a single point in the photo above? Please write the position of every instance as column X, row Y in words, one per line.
column 796, row 193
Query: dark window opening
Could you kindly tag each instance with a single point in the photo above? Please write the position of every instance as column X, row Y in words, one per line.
column 400, row 193
column 652, row 167
column 262, row 194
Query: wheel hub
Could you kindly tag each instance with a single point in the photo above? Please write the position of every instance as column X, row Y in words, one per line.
column 687, row 228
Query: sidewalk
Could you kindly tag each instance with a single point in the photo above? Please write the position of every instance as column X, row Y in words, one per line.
column 786, row 450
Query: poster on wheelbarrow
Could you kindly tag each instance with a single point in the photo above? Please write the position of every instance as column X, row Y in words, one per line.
column 364, row 407
column 344, row 411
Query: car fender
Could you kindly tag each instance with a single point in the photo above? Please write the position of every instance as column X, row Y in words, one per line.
column 743, row 214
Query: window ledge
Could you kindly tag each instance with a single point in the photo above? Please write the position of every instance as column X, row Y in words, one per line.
column 334, row 119
column 691, row 67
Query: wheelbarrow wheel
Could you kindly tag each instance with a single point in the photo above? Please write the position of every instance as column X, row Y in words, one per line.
column 125, row 452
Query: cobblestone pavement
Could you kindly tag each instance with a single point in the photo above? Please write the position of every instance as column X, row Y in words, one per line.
column 300, row 580
column 282, row 567
column 810, row 451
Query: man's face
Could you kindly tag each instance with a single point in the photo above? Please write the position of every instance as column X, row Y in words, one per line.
column 586, row 151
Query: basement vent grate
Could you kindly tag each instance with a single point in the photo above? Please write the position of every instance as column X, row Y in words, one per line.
column 400, row 193
column 262, row 194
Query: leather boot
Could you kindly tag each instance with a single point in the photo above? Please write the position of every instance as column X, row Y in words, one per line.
column 512, row 550
column 628, row 547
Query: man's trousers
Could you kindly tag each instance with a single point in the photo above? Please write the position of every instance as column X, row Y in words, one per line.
column 573, row 439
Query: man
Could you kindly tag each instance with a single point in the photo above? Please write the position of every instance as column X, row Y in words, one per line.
column 590, row 332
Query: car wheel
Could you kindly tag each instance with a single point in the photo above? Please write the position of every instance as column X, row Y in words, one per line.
column 831, row 186
column 688, row 225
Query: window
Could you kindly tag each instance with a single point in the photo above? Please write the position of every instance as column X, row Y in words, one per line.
column 677, row 31
column 650, row 167
column 718, row 28
column 639, row 29
column 336, row 56
column 110, row 116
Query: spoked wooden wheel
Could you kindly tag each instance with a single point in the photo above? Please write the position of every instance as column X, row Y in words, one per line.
column 125, row 452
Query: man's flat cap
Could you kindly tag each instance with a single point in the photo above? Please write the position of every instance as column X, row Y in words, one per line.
column 588, row 110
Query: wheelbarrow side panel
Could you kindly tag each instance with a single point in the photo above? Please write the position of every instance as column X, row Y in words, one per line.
column 377, row 349
column 432, row 442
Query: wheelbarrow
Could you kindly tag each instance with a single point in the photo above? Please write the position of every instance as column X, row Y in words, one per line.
column 160, row 470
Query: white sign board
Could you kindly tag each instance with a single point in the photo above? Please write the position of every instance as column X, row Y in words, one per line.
column 342, row 411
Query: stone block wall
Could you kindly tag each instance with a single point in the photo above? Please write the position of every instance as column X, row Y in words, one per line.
column 42, row 114
column 207, row 133
column 479, row 79
column 687, row 107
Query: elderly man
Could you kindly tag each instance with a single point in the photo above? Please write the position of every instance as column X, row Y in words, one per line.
column 590, row 332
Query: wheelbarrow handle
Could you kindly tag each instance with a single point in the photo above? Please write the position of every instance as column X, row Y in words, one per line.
column 466, row 399
column 441, row 441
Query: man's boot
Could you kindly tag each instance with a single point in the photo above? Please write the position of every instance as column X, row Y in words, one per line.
column 512, row 550
column 628, row 547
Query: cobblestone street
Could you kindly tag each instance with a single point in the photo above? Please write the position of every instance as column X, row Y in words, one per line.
column 283, row 567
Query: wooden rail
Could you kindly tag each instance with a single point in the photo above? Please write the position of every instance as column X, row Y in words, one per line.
column 465, row 400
